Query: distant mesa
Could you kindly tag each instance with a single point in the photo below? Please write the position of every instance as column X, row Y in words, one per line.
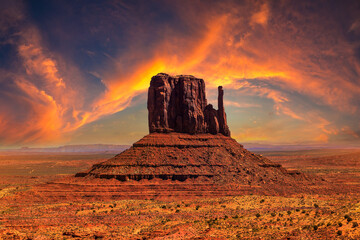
column 178, row 104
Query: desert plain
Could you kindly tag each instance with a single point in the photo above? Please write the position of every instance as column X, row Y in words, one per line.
column 27, row 213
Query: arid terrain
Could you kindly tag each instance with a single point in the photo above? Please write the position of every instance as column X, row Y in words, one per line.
column 252, row 216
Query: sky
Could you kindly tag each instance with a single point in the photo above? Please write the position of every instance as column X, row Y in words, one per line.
column 77, row 72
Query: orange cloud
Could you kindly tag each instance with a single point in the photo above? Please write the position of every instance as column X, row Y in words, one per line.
column 226, row 48
column 261, row 17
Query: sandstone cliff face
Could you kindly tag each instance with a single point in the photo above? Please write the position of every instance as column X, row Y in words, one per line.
column 178, row 104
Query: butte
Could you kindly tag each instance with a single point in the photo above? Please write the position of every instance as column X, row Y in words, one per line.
column 188, row 153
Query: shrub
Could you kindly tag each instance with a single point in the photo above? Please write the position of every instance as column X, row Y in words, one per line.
column 315, row 227
column 355, row 224
column 297, row 210
column 197, row 207
column 340, row 224
column 273, row 214
column 288, row 212
column 339, row 232
column 316, row 206
column 303, row 211
column 211, row 222
column 177, row 210
column 262, row 200
column 258, row 215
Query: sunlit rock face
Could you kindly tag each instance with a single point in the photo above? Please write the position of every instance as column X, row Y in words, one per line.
column 178, row 104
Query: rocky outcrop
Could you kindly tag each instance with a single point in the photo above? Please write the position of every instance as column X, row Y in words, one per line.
column 184, row 155
column 178, row 104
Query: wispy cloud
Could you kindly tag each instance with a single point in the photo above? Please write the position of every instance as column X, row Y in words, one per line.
column 299, row 62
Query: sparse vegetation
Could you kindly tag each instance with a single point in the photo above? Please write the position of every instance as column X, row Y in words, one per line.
column 321, row 217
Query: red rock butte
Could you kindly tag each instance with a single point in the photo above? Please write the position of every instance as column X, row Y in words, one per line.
column 178, row 104
column 189, row 151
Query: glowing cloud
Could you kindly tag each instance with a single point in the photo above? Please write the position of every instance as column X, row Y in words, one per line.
column 301, row 66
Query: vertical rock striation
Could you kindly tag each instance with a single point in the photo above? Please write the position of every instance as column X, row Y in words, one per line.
column 178, row 104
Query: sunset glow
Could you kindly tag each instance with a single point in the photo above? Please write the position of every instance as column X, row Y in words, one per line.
column 79, row 72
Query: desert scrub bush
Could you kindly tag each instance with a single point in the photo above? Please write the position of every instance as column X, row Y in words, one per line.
column 177, row 210
column 340, row 224
column 306, row 227
column 262, row 200
column 165, row 220
column 348, row 218
column 197, row 207
column 339, row 232
column 257, row 215
column 355, row 224
column 315, row 227
column 273, row 214
column 303, row 211
column 316, row 206
column 289, row 212
column 211, row 222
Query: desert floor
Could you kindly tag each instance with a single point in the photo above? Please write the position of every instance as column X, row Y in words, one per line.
column 300, row 216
